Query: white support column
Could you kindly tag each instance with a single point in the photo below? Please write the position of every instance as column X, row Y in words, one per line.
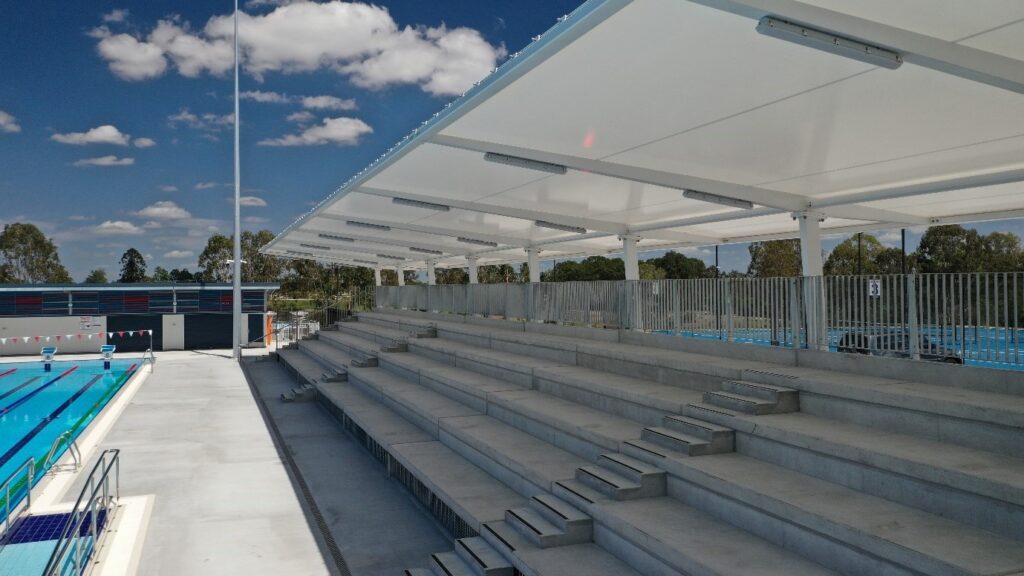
column 810, row 241
column 431, row 277
column 533, row 261
column 471, row 262
column 376, row 276
column 401, row 276
column 630, row 257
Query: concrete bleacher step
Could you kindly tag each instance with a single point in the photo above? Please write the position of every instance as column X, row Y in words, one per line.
column 586, row 559
column 622, row 477
column 450, row 564
column 363, row 352
column 569, row 519
column 418, row 572
column 742, row 403
column 482, row 558
column 533, row 526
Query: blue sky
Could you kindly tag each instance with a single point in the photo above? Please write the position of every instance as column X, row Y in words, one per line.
column 115, row 126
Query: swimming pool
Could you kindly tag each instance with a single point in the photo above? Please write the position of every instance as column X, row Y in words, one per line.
column 37, row 407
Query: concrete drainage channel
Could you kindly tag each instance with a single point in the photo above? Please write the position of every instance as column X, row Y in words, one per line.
column 323, row 534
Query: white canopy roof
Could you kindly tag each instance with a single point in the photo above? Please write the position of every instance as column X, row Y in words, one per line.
column 640, row 100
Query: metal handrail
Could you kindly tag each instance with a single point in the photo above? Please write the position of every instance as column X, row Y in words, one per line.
column 148, row 355
column 29, row 464
column 72, row 443
column 96, row 497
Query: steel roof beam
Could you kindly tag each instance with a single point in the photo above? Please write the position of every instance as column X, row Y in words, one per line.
column 920, row 49
column 313, row 235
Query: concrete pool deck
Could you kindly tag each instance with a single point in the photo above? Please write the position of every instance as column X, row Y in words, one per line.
column 223, row 503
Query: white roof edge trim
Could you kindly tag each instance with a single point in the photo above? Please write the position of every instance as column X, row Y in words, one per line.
column 569, row 28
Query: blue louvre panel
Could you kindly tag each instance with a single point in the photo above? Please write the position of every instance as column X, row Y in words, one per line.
column 110, row 302
column 7, row 304
column 55, row 303
column 161, row 301
column 252, row 301
column 136, row 302
column 28, row 304
column 188, row 302
column 85, row 303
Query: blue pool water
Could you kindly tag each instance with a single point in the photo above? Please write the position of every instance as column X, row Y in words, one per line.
column 37, row 406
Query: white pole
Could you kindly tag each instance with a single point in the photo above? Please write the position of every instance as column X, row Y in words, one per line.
column 533, row 263
column 431, row 274
column 236, row 298
column 401, row 276
column 376, row 276
column 810, row 242
column 473, row 270
column 630, row 257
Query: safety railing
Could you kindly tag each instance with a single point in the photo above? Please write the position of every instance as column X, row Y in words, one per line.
column 21, row 479
column 954, row 318
column 66, row 439
column 92, row 511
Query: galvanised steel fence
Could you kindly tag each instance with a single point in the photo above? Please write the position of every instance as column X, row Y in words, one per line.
column 955, row 318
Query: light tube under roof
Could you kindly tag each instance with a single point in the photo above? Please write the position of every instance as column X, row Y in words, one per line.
column 465, row 240
column 368, row 225
column 364, row 261
column 420, row 204
column 828, row 42
column 562, row 227
column 390, row 257
column 425, row 250
column 717, row 199
column 315, row 246
column 299, row 252
column 525, row 163
column 335, row 237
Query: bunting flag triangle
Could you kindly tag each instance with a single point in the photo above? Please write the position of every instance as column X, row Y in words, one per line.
column 14, row 340
column 37, row 338
column 150, row 332
column 110, row 334
column 89, row 335
column 3, row 340
column 58, row 337
column 120, row 334
column 47, row 338
column 131, row 333
column 69, row 336
column 79, row 336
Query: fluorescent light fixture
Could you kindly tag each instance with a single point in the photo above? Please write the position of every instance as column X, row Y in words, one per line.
column 420, row 204
column 370, row 262
column 828, row 42
column 717, row 199
column 465, row 240
column 562, row 227
column 524, row 163
column 390, row 257
column 315, row 246
column 335, row 237
column 425, row 250
column 299, row 253
column 368, row 225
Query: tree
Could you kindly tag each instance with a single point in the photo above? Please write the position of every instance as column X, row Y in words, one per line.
column 97, row 276
column 774, row 258
column 27, row 256
column 650, row 271
column 258, row 267
column 451, row 276
column 214, row 259
column 160, row 274
column 182, row 275
column 588, row 269
column 950, row 248
column 677, row 265
column 497, row 274
column 133, row 267
column 1002, row 252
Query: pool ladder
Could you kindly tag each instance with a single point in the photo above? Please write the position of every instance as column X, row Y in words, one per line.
column 76, row 455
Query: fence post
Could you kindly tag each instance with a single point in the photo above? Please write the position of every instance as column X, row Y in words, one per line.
column 915, row 348
column 794, row 311
column 675, row 284
column 727, row 288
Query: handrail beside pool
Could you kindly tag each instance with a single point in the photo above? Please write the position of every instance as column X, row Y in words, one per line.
column 148, row 355
column 72, row 443
column 30, row 466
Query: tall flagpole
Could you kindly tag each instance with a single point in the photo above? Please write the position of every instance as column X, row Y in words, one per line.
column 236, row 299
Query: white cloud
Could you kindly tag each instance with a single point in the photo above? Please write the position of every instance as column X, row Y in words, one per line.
column 168, row 188
column 328, row 103
column 301, row 117
column 144, row 142
column 252, row 201
column 266, row 97
column 179, row 254
column 79, row 218
column 359, row 40
column 207, row 122
column 118, row 15
column 117, row 227
column 8, row 123
column 164, row 210
column 206, row 185
column 104, row 161
column 105, row 134
column 261, row 3
column 340, row 131
column 255, row 220
column 152, row 225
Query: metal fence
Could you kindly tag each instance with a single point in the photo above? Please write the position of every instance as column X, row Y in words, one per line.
column 947, row 317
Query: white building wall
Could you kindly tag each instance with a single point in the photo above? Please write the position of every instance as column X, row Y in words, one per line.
column 51, row 326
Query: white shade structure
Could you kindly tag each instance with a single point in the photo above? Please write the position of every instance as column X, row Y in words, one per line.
column 598, row 129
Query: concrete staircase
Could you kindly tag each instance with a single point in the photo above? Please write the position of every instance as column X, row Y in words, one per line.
column 568, row 453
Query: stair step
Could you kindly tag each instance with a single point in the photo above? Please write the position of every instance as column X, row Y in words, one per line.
column 741, row 403
column 576, row 493
column 676, row 441
column 611, row 483
column 418, row 572
column 577, row 525
column 636, row 470
column 710, row 412
column 536, row 528
column 699, row 428
column 482, row 557
column 450, row 564
column 785, row 397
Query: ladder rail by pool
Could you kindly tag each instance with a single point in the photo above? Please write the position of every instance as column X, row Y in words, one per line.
column 72, row 444
column 97, row 496
column 26, row 470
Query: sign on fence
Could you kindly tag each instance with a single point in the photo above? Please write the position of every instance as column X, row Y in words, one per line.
column 875, row 287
